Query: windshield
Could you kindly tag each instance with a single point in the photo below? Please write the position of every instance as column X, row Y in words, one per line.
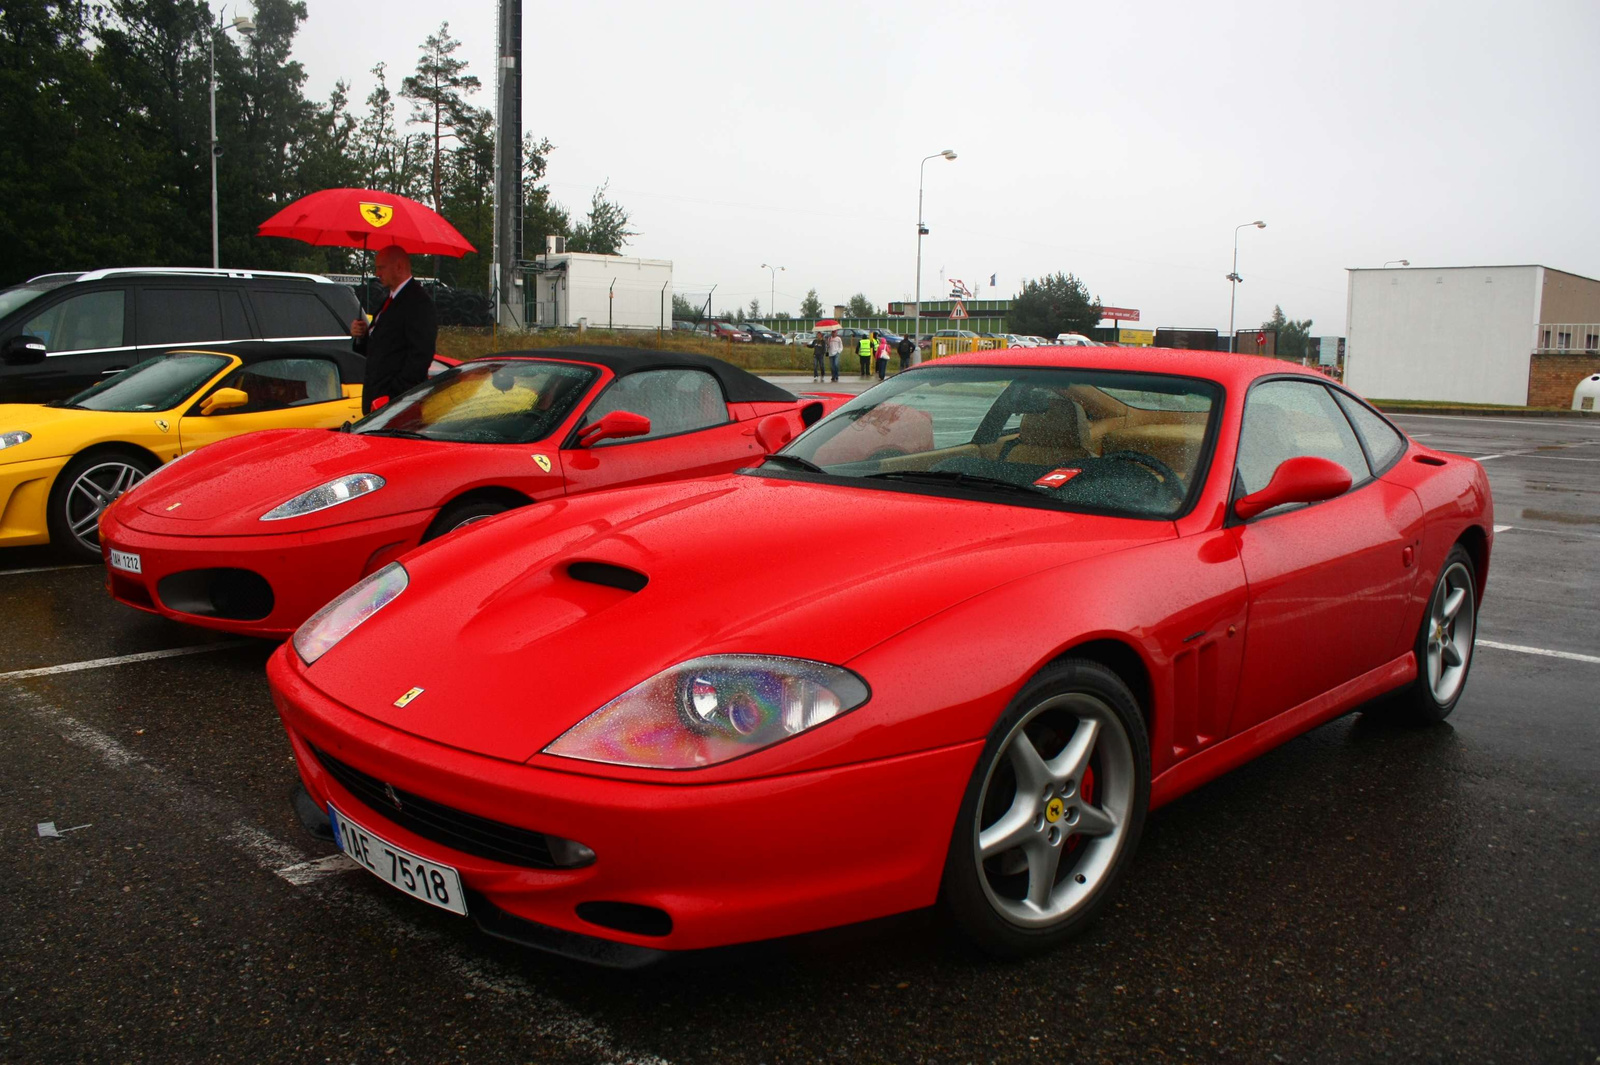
column 15, row 297
column 160, row 383
column 1120, row 443
column 488, row 401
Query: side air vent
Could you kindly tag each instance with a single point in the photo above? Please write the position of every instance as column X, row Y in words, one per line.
column 612, row 576
column 811, row 413
column 1427, row 460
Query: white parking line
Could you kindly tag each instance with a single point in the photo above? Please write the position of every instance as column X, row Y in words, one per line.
column 48, row 569
column 1520, row 649
column 304, row 873
column 1501, row 528
column 120, row 660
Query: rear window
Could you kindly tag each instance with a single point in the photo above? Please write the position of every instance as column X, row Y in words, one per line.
column 294, row 314
column 188, row 315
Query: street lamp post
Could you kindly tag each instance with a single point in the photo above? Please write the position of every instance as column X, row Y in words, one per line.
column 1234, row 278
column 246, row 27
column 772, row 296
column 1402, row 262
column 922, row 231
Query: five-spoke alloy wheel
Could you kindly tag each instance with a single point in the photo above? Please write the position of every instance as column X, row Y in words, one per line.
column 1445, row 641
column 83, row 491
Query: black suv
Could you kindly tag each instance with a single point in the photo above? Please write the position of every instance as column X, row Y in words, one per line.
column 61, row 333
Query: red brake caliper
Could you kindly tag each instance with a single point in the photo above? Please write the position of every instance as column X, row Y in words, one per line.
column 1085, row 794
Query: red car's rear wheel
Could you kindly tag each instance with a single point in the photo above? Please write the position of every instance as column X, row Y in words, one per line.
column 1052, row 814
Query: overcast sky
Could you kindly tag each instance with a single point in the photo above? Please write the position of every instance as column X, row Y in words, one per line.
column 1121, row 142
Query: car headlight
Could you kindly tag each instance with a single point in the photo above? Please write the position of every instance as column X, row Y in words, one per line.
column 12, row 439
column 711, row 710
column 341, row 490
column 339, row 618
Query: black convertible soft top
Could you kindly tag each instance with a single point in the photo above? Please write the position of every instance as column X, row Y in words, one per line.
column 739, row 386
column 352, row 367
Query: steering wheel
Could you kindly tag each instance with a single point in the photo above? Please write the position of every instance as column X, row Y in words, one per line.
column 1166, row 475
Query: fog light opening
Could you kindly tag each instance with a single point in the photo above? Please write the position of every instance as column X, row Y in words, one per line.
column 627, row 917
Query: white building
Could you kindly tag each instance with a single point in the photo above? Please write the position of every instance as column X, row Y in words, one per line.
column 1461, row 333
column 604, row 291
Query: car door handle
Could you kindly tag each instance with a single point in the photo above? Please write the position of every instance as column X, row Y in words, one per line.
column 114, row 369
column 1407, row 557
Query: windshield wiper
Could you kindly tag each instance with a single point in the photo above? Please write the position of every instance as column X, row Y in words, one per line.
column 956, row 477
column 409, row 434
column 797, row 462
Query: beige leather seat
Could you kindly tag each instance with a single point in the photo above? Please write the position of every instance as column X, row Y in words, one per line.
column 1058, row 434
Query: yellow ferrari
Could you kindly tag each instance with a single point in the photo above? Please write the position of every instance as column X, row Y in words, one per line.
column 62, row 463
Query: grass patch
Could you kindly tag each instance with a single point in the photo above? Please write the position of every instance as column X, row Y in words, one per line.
column 460, row 342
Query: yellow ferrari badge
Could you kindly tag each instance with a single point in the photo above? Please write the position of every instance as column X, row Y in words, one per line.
column 161, row 423
column 1053, row 810
column 408, row 696
column 377, row 215
column 543, row 462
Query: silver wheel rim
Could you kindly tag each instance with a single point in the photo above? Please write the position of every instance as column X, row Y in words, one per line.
column 464, row 522
column 1451, row 624
column 91, row 493
column 1041, row 847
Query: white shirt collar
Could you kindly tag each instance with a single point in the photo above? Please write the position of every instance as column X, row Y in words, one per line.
column 396, row 290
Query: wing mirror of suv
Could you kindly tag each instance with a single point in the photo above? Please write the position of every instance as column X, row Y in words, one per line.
column 223, row 399
column 618, row 423
column 1305, row 479
column 23, row 351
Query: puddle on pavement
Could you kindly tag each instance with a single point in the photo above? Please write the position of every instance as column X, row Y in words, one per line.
column 1561, row 518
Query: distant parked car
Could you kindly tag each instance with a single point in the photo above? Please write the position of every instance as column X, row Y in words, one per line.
column 1076, row 340
column 681, row 326
column 760, row 334
column 723, row 331
column 967, row 334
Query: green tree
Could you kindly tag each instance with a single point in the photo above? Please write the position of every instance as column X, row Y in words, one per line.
column 605, row 230
column 811, row 306
column 541, row 215
column 1292, row 335
column 755, row 308
column 1058, row 303
column 387, row 158
column 782, row 316
column 683, row 310
column 860, row 307
column 438, row 92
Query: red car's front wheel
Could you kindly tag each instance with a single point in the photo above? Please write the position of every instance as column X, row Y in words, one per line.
column 1052, row 813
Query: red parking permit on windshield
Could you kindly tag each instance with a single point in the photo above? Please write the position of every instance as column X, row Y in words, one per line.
column 1058, row 477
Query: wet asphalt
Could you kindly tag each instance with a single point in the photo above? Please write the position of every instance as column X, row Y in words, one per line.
column 1367, row 892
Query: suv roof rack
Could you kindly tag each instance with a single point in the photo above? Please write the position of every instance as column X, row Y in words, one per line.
column 188, row 271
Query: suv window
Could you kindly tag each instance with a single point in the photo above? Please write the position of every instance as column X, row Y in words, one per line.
column 294, row 314
column 188, row 315
column 89, row 320
column 278, row 383
column 1384, row 444
column 675, row 401
column 1287, row 419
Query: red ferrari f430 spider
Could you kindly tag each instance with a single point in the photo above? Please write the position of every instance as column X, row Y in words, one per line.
column 948, row 646
column 254, row 534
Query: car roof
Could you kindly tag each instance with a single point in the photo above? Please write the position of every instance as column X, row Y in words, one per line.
column 352, row 367
column 738, row 385
column 1220, row 366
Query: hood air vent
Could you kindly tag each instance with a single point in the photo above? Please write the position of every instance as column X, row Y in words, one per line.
column 608, row 574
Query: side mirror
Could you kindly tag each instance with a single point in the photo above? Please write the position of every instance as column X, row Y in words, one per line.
column 223, row 399
column 23, row 351
column 1305, row 479
column 618, row 423
column 772, row 432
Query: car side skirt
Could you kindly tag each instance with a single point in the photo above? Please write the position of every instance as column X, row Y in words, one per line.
column 1233, row 752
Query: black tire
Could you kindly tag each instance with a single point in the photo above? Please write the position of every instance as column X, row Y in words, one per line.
column 980, row 895
column 462, row 512
column 1427, row 700
column 83, row 490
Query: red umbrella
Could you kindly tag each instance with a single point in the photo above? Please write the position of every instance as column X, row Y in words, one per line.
column 826, row 325
column 362, row 218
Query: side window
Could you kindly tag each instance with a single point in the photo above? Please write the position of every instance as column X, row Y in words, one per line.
column 92, row 320
column 1287, row 419
column 294, row 314
column 279, row 383
column 235, row 326
column 675, row 401
column 1383, row 442
column 179, row 315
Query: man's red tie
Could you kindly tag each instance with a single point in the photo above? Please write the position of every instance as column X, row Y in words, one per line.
column 386, row 301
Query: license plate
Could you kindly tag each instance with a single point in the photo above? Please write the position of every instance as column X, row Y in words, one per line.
column 126, row 561
column 436, row 884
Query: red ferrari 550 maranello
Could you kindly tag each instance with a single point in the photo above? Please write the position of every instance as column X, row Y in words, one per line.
column 255, row 534
column 950, row 645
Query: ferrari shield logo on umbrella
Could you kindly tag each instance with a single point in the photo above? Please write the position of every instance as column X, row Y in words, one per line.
column 377, row 215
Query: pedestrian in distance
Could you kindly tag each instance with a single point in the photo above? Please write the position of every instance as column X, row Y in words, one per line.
column 864, row 350
column 883, row 356
column 819, row 350
column 906, row 347
column 402, row 337
column 835, row 348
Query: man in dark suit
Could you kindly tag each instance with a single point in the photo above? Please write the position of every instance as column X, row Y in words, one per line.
column 400, row 342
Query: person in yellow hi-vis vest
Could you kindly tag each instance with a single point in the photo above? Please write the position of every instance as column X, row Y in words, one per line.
column 864, row 349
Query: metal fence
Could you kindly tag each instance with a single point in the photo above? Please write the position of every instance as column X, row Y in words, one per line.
column 1554, row 338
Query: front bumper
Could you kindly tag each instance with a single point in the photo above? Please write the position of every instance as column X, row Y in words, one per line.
column 290, row 575
column 24, row 496
column 727, row 863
